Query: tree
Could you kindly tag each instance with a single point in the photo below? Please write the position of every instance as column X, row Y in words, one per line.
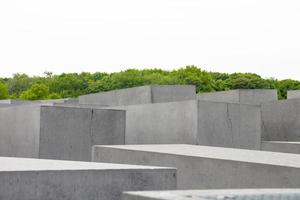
column 285, row 85
column 19, row 83
column 3, row 91
column 36, row 92
column 246, row 81
column 192, row 75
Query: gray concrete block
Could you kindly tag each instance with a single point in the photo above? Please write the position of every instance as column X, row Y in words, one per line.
column 251, row 96
column 36, row 179
column 249, row 194
column 293, row 94
column 54, row 132
column 194, row 122
column 205, row 167
column 160, row 123
column 14, row 102
column 281, row 146
column 280, row 120
column 229, row 125
column 141, row 95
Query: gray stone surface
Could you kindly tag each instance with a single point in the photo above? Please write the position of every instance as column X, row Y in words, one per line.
column 194, row 122
column 280, row 120
column 204, row 167
column 249, row 194
column 19, row 131
column 58, row 132
column 15, row 102
column 251, row 96
column 174, row 122
column 36, row 179
column 141, row 95
column 293, row 94
column 281, row 146
column 229, row 125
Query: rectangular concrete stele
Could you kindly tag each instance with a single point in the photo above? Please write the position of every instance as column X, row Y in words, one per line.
column 247, row 96
column 194, row 122
column 281, row 146
column 36, row 179
column 141, row 95
column 242, row 194
column 15, row 102
column 205, row 167
column 280, row 120
column 51, row 132
column 293, row 94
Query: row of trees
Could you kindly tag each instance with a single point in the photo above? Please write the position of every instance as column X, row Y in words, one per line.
column 65, row 85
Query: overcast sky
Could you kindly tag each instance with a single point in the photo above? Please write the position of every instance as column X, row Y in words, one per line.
column 260, row 36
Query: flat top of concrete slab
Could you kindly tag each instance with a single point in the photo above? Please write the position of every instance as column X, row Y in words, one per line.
column 219, row 194
column 281, row 142
column 28, row 164
column 240, row 155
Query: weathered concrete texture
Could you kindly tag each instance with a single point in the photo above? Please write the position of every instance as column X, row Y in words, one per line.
column 14, row 102
column 204, row 167
column 281, row 146
column 254, row 194
column 229, row 125
column 19, row 131
column 162, row 123
column 251, row 96
column 36, row 179
column 58, row 132
column 141, row 95
column 293, row 94
column 194, row 122
column 68, row 101
column 280, row 120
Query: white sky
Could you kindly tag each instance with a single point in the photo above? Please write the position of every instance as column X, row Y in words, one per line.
column 260, row 36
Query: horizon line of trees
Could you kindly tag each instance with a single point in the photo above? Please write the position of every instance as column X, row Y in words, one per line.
column 70, row 85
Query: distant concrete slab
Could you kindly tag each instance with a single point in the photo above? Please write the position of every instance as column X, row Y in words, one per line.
column 281, row 146
column 205, row 167
column 293, row 94
column 280, row 120
column 249, row 96
column 194, row 122
column 36, row 179
column 56, row 132
column 141, row 95
column 15, row 102
column 249, row 194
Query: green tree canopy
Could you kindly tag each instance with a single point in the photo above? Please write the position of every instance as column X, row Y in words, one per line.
column 67, row 85
column 3, row 91
column 37, row 91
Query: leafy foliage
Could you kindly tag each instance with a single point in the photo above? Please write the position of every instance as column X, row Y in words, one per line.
column 36, row 91
column 66, row 85
column 3, row 91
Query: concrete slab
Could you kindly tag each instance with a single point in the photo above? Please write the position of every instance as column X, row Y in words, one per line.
column 55, row 132
column 35, row 179
column 16, row 102
column 194, row 122
column 280, row 120
column 251, row 96
column 141, row 95
column 281, row 146
column 293, row 94
column 229, row 125
column 254, row 194
column 204, row 167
